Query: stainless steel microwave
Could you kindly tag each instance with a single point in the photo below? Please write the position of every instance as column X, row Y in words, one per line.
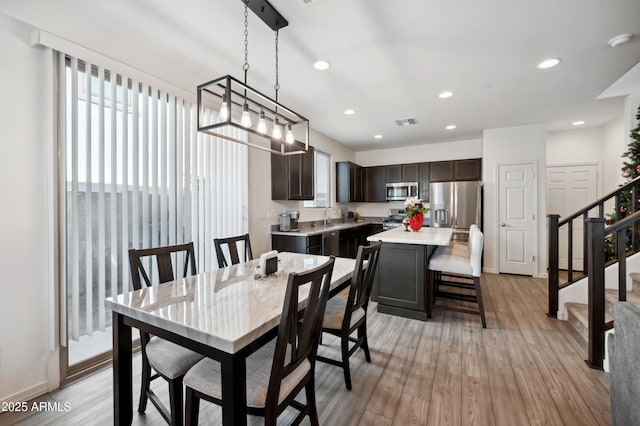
column 401, row 191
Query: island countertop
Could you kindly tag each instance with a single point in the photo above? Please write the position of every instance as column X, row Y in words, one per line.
column 426, row 236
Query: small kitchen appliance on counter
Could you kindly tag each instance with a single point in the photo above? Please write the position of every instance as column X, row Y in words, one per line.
column 289, row 221
column 295, row 216
column 285, row 222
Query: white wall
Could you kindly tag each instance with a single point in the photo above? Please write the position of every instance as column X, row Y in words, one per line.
column 600, row 145
column 28, row 356
column 575, row 146
column 263, row 212
column 523, row 144
column 614, row 144
column 422, row 153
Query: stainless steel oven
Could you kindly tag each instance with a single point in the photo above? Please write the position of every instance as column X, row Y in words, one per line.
column 401, row 191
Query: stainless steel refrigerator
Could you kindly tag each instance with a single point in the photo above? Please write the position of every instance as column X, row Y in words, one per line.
column 455, row 205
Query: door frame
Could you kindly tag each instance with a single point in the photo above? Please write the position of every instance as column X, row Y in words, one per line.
column 534, row 168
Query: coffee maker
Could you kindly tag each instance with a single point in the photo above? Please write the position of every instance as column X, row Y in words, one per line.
column 295, row 215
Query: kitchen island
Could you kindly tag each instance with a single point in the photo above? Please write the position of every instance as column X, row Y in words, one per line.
column 401, row 285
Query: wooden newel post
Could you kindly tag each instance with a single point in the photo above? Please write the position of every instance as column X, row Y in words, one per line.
column 595, row 244
column 553, row 265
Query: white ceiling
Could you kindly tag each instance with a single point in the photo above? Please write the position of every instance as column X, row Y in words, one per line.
column 389, row 59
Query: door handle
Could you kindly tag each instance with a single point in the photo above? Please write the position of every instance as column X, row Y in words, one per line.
column 503, row 224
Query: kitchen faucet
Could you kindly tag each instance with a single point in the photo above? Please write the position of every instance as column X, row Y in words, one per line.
column 325, row 221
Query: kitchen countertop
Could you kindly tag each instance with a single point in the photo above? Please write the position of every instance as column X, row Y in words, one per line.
column 306, row 228
column 425, row 236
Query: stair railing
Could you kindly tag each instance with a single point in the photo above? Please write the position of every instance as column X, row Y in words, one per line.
column 555, row 224
column 596, row 233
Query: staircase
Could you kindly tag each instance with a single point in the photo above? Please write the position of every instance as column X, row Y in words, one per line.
column 592, row 291
column 579, row 312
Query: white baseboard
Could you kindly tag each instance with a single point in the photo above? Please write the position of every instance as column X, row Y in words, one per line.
column 562, row 315
column 542, row 275
column 490, row 270
column 27, row 394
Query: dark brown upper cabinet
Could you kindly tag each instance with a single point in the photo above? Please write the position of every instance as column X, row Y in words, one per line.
column 292, row 176
column 349, row 182
column 410, row 172
column 441, row 171
column 393, row 173
column 401, row 173
column 467, row 169
column 423, row 181
column 374, row 183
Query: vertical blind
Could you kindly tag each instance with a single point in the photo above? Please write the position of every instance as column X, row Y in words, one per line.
column 137, row 174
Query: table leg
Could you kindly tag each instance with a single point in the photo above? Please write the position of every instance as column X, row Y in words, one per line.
column 234, row 390
column 122, row 382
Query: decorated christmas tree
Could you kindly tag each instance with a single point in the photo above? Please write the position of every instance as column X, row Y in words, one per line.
column 630, row 171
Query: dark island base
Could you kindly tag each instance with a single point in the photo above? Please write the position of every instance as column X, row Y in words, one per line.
column 401, row 312
column 402, row 281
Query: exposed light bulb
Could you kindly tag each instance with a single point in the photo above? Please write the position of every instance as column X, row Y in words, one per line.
column 224, row 109
column 288, row 135
column 277, row 129
column 262, row 123
column 245, row 120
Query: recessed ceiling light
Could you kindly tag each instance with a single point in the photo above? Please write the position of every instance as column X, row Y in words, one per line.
column 377, row 136
column 620, row 39
column 577, row 123
column 548, row 63
column 349, row 111
column 321, row 65
column 450, row 127
column 446, row 94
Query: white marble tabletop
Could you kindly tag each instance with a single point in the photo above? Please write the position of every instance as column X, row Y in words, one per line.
column 425, row 236
column 227, row 308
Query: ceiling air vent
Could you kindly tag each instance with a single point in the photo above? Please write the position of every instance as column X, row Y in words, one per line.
column 306, row 3
column 406, row 122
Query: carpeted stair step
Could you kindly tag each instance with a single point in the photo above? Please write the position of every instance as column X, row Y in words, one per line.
column 635, row 279
column 579, row 312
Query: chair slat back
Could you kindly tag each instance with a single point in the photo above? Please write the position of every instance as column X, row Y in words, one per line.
column 232, row 246
column 164, row 262
column 362, row 280
column 299, row 333
column 476, row 242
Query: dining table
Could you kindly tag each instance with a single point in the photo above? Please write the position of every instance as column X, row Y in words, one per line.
column 225, row 314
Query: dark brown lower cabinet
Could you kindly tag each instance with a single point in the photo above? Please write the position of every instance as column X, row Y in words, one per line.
column 349, row 240
column 297, row 244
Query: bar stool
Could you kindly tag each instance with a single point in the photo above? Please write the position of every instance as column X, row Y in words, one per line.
column 456, row 270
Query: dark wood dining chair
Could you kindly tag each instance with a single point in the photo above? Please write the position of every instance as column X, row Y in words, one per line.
column 277, row 372
column 168, row 360
column 345, row 316
column 232, row 245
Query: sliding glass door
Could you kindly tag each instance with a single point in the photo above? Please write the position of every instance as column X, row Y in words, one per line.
column 134, row 173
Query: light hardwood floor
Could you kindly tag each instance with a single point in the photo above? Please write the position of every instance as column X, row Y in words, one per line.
column 523, row 369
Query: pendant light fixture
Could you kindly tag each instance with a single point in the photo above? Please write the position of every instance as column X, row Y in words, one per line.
column 226, row 102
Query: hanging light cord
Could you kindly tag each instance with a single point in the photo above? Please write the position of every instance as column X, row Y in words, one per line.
column 245, row 67
column 277, row 86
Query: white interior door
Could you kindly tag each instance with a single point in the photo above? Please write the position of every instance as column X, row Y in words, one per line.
column 516, row 207
column 570, row 188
